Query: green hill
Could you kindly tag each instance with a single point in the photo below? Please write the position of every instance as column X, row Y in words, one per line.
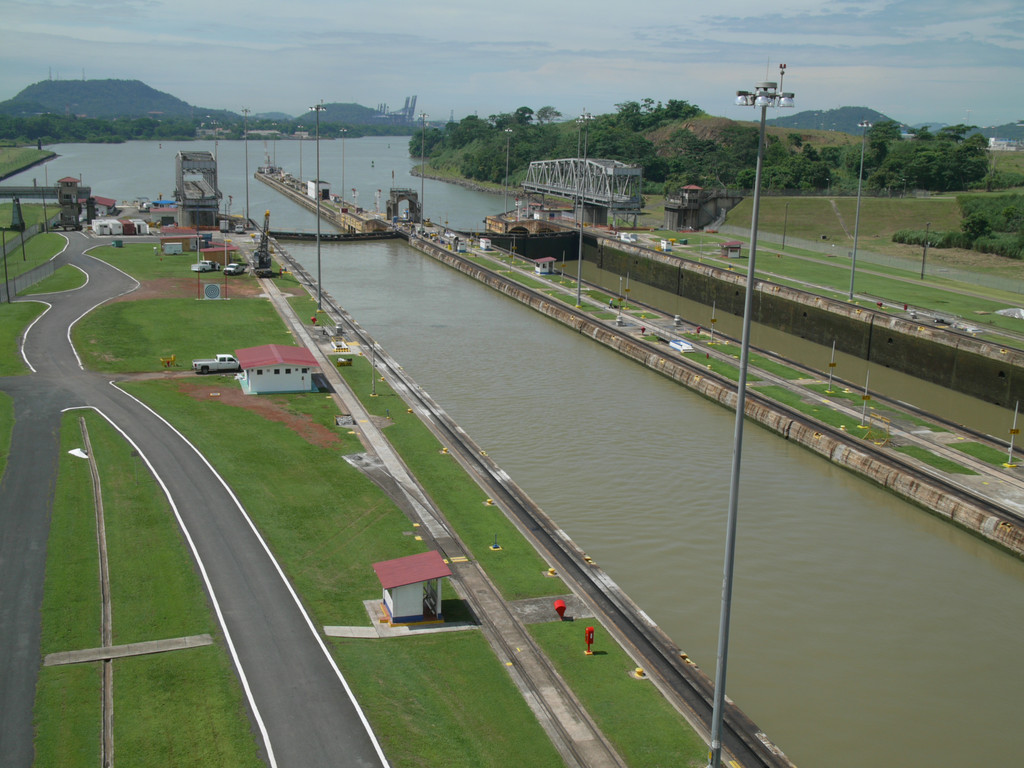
column 349, row 114
column 100, row 98
column 843, row 119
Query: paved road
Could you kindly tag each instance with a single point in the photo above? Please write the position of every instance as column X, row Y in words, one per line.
column 299, row 704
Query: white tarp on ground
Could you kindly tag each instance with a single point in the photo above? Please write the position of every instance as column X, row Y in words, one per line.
column 1016, row 312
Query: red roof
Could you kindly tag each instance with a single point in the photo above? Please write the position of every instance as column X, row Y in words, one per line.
column 413, row 569
column 545, row 260
column 273, row 354
column 219, row 249
column 68, row 180
column 692, row 186
column 107, row 201
column 732, row 244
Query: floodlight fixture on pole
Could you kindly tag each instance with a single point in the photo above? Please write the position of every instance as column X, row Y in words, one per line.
column 318, row 108
column 343, row 131
column 423, row 166
column 764, row 95
column 863, row 125
column 245, row 135
column 584, row 122
column 508, row 141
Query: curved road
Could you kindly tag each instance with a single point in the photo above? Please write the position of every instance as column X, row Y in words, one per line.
column 301, row 708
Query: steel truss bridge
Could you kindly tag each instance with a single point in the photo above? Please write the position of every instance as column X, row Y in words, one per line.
column 597, row 186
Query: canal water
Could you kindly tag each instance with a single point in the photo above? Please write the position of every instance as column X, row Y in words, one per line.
column 865, row 632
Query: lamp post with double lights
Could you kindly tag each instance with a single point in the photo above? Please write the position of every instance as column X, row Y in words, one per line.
column 318, row 108
column 863, row 125
column 508, row 142
column 765, row 94
column 423, row 168
column 584, row 123
column 245, row 136
column 343, row 132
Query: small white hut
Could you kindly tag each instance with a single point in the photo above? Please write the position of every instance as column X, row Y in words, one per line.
column 412, row 587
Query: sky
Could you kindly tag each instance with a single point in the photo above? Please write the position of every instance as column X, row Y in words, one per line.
column 916, row 61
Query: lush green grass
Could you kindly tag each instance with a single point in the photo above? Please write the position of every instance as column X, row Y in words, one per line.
column 13, row 159
column 68, row 717
column 774, row 367
column 131, row 336
column 14, row 319
column 38, row 250
column 634, row 715
column 182, row 708
column 820, row 411
column 982, row 452
column 940, row 463
column 467, row 713
column 66, row 278
column 517, row 569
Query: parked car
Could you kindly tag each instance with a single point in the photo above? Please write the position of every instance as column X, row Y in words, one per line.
column 222, row 363
column 205, row 266
column 234, row 268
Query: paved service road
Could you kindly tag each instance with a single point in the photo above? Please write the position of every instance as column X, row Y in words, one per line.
column 299, row 703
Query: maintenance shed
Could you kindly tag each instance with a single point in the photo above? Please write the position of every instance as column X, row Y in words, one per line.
column 412, row 587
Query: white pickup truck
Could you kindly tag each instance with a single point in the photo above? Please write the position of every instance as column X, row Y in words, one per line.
column 205, row 266
column 218, row 364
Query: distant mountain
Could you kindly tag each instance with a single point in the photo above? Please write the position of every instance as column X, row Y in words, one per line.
column 272, row 116
column 104, row 99
column 843, row 119
column 350, row 114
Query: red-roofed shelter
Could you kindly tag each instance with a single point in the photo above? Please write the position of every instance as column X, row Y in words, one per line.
column 276, row 368
column 412, row 587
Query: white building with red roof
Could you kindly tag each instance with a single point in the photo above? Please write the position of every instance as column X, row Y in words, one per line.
column 412, row 587
column 275, row 368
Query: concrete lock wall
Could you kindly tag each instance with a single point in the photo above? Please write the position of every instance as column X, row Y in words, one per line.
column 961, row 363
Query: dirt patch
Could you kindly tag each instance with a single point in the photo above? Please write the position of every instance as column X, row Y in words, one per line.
column 270, row 408
column 185, row 288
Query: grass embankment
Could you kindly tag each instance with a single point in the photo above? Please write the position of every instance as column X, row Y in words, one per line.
column 179, row 708
column 38, row 250
column 14, row 159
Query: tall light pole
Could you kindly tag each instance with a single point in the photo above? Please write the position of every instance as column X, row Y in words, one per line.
column 863, row 125
column 245, row 136
column 584, row 123
column 508, row 141
column 785, row 226
column 924, row 254
column 343, row 132
column 318, row 108
column 423, row 166
column 766, row 94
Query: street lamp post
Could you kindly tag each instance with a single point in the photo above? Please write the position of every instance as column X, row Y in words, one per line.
column 924, row 254
column 245, row 136
column 584, row 123
column 766, row 94
column 863, row 124
column 785, row 226
column 508, row 141
column 318, row 108
column 423, row 167
column 343, row 132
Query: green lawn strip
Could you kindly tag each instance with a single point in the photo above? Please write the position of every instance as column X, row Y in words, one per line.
column 820, row 411
column 723, row 368
column 14, row 159
column 529, row 282
column 516, row 569
column 71, row 595
column 443, row 700
column 38, row 250
column 982, row 452
column 631, row 712
column 323, row 519
column 144, row 261
column 14, row 319
column 183, row 708
column 132, row 336
column 774, row 367
column 855, row 397
column 67, row 716
column 66, row 278
column 939, row 462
